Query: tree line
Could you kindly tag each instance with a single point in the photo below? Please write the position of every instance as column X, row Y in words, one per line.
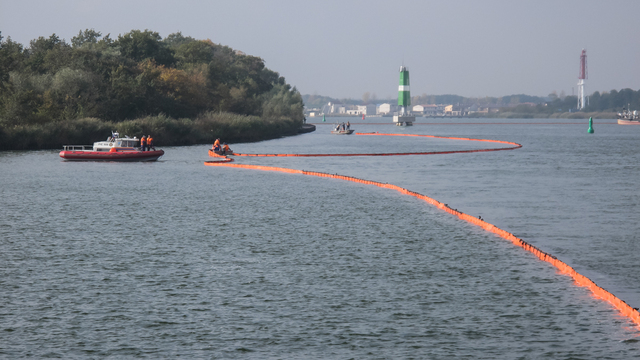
column 138, row 76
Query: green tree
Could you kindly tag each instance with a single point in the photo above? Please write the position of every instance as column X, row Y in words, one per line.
column 40, row 58
column 594, row 102
column 23, row 103
column 143, row 45
column 12, row 58
column 195, row 52
column 176, row 40
column 614, row 102
column 283, row 101
column 88, row 36
column 627, row 97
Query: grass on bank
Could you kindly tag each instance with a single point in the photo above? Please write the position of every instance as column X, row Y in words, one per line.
column 166, row 131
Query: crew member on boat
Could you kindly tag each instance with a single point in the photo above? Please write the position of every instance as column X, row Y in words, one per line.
column 150, row 143
column 143, row 143
column 216, row 145
column 226, row 149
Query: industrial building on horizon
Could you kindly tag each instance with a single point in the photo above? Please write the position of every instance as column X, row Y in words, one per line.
column 388, row 110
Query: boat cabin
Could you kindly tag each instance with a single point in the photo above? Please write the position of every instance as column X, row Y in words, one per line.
column 115, row 141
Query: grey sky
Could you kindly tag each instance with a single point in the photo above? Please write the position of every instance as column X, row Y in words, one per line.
column 346, row 48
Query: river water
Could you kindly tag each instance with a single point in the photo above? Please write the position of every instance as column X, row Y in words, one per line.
column 174, row 259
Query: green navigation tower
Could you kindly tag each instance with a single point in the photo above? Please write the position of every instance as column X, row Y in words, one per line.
column 403, row 117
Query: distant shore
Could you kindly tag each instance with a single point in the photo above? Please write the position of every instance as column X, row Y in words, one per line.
column 558, row 115
column 499, row 115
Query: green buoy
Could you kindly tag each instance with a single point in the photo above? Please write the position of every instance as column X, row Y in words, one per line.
column 590, row 131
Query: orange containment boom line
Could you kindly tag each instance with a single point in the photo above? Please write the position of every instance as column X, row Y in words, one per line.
column 624, row 308
column 512, row 147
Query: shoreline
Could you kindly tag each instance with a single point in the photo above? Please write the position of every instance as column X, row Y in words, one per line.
column 498, row 115
column 232, row 128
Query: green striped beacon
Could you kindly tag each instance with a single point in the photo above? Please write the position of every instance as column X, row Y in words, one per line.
column 404, row 95
column 403, row 117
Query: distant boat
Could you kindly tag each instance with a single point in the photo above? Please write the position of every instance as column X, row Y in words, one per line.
column 342, row 129
column 628, row 117
column 342, row 132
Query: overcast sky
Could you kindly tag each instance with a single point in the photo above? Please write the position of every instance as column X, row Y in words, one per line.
column 345, row 48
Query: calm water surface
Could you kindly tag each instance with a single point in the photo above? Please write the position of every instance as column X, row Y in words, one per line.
column 177, row 259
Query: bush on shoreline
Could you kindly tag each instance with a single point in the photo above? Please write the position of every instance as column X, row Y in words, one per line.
column 165, row 130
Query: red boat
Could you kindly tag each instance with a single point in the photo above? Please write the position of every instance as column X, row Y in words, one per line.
column 114, row 148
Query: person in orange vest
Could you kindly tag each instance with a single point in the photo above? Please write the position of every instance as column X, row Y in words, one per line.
column 216, row 145
column 225, row 149
column 150, row 143
column 143, row 142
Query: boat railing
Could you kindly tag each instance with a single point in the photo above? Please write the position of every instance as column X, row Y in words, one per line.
column 77, row 147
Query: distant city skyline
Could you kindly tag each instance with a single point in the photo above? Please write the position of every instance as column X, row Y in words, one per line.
column 343, row 49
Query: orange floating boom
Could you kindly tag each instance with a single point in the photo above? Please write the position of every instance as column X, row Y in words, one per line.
column 624, row 308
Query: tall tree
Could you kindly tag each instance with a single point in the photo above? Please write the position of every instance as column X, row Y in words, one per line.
column 41, row 48
column 366, row 97
column 142, row 45
column 195, row 52
column 11, row 58
column 88, row 36
column 176, row 40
